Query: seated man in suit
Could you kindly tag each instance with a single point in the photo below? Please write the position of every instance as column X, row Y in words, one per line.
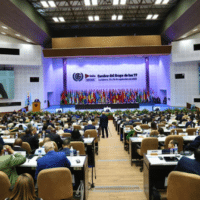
column 17, row 146
column 66, row 129
column 31, row 139
column 193, row 145
column 56, row 138
column 89, row 126
column 189, row 165
column 171, row 145
column 52, row 159
column 190, row 124
column 128, row 122
column 66, row 147
column 9, row 162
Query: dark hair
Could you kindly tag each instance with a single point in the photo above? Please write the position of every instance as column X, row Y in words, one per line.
column 174, row 142
column 197, row 154
column 66, row 141
column 153, row 125
column 20, row 127
column 28, row 131
column 76, row 134
column 161, row 131
column 45, row 127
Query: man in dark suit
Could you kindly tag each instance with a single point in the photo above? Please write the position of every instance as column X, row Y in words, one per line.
column 104, row 124
column 89, row 126
column 52, row 159
column 189, row 165
column 17, row 146
column 3, row 92
column 194, row 144
column 190, row 124
column 66, row 147
column 32, row 140
column 56, row 138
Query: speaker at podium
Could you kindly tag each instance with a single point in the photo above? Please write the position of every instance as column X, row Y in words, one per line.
column 36, row 105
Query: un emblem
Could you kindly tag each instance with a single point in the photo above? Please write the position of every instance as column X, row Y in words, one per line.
column 78, row 76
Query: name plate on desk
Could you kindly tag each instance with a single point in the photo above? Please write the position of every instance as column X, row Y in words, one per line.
column 154, row 152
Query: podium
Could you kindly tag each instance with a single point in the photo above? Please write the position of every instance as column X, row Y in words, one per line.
column 36, row 106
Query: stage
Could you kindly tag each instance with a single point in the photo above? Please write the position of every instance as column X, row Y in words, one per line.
column 142, row 106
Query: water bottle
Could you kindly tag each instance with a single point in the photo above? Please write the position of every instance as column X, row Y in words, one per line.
column 175, row 132
column 171, row 151
column 78, row 153
column 88, row 136
column 71, row 151
column 40, row 153
column 16, row 135
column 176, row 150
column 43, row 135
column 197, row 133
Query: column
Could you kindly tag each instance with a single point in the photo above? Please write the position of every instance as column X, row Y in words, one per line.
column 64, row 74
column 147, row 73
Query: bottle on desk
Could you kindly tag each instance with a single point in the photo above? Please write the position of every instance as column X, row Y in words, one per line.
column 88, row 136
column 39, row 153
column 71, row 151
column 171, row 151
column 175, row 132
column 176, row 149
column 197, row 132
column 16, row 135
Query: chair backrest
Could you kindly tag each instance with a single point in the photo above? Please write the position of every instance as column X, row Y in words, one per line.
column 178, row 130
column 2, row 127
column 84, row 123
column 183, row 186
column 129, row 126
column 153, row 133
column 94, row 123
column 55, row 184
column 79, row 146
column 4, row 186
column 55, row 146
column 149, row 144
column 27, row 147
column 21, row 134
column 77, row 127
column 66, row 135
column 144, row 126
column 191, row 131
column 161, row 125
column 92, row 133
column 179, row 138
column 137, row 123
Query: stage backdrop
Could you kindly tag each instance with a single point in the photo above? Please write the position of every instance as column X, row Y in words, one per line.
column 106, row 73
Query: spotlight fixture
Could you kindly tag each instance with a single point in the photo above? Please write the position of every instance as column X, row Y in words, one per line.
column 52, row 4
column 94, row 2
column 158, row 1
column 120, row 17
column 55, row 19
column 90, row 18
column 44, row 4
column 3, row 33
column 195, row 30
column 122, row 2
column 155, row 16
column 115, row 2
column 61, row 19
column 18, row 35
column 4, row 27
column 114, row 17
column 87, row 2
column 149, row 16
column 96, row 18
column 165, row 2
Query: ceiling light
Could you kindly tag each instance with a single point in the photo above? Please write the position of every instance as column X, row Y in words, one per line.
column 115, row 2
column 18, row 35
column 44, row 4
column 184, row 36
column 96, row 18
column 87, row 2
column 158, row 1
column 61, row 19
column 55, row 19
column 114, row 17
column 120, row 17
column 94, row 2
column 28, row 40
column 123, row 2
column 90, row 18
column 52, row 4
column 4, row 27
column 165, row 2
column 155, row 16
column 149, row 16
column 3, row 33
column 195, row 29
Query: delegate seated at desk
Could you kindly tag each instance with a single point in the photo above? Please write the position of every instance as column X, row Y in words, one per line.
column 171, row 145
column 189, row 165
column 52, row 159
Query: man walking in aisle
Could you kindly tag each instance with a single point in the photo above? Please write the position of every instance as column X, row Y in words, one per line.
column 104, row 124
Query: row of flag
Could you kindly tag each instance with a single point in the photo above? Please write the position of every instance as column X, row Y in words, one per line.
column 106, row 96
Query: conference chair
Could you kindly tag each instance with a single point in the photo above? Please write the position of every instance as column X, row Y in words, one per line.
column 66, row 135
column 21, row 134
column 147, row 144
column 137, row 123
column 94, row 123
column 27, row 147
column 84, row 123
column 93, row 133
column 191, row 131
column 144, row 126
column 79, row 146
column 77, row 127
column 129, row 126
column 2, row 127
column 178, row 138
column 178, row 130
column 161, row 125
column 55, row 184
column 154, row 133
column 183, row 186
column 4, row 186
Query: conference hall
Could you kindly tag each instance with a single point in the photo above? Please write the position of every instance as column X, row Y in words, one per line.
column 99, row 99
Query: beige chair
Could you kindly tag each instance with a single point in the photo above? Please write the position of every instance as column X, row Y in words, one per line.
column 77, row 127
column 174, row 137
column 161, row 125
column 66, row 135
column 27, row 147
column 137, row 123
column 84, row 123
column 21, row 134
column 94, row 123
column 191, row 131
column 154, row 133
column 55, row 184
column 79, row 146
column 178, row 130
column 4, row 186
column 129, row 126
column 183, row 186
column 2, row 127
column 144, row 126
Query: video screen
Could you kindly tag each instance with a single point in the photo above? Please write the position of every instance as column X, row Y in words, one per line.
column 7, row 84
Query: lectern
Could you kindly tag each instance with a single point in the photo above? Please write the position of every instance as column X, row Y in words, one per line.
column 36, row 106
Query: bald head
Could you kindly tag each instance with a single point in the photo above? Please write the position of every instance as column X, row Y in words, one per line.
column 18, row 142
column 47, row 139
column 48, row 146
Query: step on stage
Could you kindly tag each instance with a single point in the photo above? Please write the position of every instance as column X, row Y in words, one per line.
column 101, row 106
